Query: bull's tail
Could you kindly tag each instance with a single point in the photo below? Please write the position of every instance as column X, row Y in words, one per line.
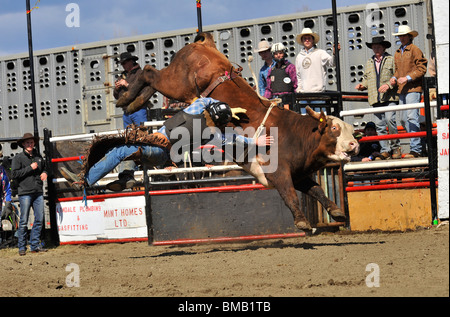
column 205, row 39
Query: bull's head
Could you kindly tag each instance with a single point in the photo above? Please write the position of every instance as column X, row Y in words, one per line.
column 337, row 136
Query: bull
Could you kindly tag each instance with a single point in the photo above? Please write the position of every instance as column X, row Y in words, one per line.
column 305, row 143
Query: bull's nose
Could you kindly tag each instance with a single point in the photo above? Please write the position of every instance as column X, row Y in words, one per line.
column 354, row 146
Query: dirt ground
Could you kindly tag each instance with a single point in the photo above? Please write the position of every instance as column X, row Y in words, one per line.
column 338, row 264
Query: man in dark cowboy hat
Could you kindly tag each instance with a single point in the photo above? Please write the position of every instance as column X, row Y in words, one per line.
column 134, row 112
column 28, row 169
column 378, row 72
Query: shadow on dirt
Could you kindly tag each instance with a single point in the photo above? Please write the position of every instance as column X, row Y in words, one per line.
column 274, row 245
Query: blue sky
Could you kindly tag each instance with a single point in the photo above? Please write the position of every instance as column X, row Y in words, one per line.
column 109, row 19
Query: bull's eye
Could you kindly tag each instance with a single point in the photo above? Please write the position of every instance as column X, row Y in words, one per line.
column 335, row 130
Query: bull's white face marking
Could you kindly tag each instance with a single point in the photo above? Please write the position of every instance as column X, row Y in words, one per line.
column 346, row 145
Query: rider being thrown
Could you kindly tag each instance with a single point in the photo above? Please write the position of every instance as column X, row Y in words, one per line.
column 154, row 149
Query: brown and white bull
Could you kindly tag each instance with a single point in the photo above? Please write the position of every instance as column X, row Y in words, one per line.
column 305, row 143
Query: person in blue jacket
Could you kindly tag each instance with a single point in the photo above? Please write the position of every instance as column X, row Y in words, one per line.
column 5, row 194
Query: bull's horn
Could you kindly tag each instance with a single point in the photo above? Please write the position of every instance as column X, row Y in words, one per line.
column 312, row 113
column 316, row 115
column 321, row 117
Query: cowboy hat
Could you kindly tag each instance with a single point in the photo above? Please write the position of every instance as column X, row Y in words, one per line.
column 126, row 56
column 263, row 46
column 307, row 31
column 27, row 136
column 405, row 29
column 379, row 40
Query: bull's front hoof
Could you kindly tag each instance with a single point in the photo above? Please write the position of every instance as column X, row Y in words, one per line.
column 338, row 215
column 303, row 225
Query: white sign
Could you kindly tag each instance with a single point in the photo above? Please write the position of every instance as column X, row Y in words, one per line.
column 113, row 218
column 74, row 218
column 443, row 175
column 440, row 14
column 125, row 212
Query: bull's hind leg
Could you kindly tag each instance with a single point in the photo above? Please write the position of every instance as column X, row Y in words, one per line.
column 283, row 183
column 149, row 77
column 311, row 188
column 128, row 96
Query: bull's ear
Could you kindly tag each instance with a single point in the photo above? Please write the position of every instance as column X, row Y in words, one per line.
column 322, row 121
column 321, row 117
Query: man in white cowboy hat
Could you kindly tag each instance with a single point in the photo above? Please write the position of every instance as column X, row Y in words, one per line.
column 311, row 63
column 410, row 68
column 379, row 70
column 266, row 55
column 28, row 169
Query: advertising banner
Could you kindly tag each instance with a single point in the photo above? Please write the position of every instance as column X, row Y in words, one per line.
column 112, row 218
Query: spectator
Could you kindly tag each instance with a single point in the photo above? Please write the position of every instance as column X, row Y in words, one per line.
column 28, row 169
column 369, row 151
column 135, row 112
column 6, row 163
column 410, row 68
column 5, row 194
column 432, row 64
column 281, row 78
column 266, row 55
column 432, row 73
column 378, row 72
column 311, row 63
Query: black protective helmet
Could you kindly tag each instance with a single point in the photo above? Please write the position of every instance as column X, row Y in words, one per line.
column 220, row 113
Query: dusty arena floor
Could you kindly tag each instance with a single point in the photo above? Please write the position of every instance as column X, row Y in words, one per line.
column 339, row 264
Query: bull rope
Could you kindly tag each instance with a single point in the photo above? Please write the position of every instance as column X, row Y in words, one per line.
column 263, row 123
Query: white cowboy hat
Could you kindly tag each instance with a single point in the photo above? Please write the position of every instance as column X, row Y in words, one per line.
column 263, row 46
column 405, row 29
column 307, row 31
